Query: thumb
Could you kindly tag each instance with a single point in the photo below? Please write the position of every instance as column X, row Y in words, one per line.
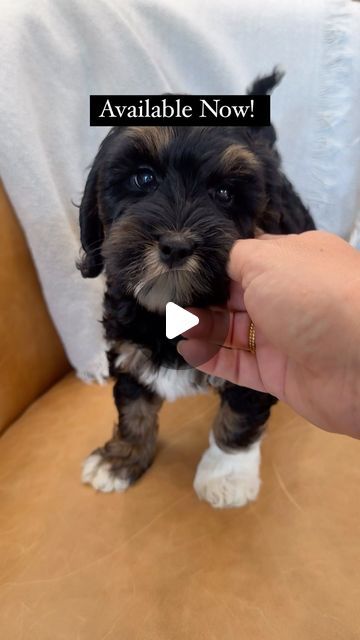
column 252, row 256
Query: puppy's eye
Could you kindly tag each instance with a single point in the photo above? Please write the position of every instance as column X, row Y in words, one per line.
column 224, row 194
column 144, row 180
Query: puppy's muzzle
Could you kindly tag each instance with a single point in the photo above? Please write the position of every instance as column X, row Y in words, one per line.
column 175, row 248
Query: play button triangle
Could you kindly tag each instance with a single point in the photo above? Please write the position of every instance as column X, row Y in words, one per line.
column 178, row 320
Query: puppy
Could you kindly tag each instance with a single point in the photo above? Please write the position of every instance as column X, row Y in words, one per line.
column 161, row 210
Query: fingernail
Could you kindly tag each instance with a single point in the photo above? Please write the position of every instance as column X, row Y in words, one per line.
column 179, row 346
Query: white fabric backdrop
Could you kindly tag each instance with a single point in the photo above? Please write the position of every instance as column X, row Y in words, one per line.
column 55, row 53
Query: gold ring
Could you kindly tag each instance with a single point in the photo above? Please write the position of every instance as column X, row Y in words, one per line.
column 251, row 338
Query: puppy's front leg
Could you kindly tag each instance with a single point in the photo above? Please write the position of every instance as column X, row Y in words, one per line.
column 131, row 450
column 228, row 473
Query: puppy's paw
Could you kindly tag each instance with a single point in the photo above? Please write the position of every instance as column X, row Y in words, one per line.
column 228, row 479
column 98, row 472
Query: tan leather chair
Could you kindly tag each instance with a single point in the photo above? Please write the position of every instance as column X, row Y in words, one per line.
column 155, row 563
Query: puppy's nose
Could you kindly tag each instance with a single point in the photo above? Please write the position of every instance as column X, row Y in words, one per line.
column 175, row 248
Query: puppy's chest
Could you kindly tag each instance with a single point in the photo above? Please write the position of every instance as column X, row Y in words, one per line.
column 169, row 383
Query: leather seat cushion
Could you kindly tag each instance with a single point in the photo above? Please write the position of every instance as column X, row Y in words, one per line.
column 157, row 564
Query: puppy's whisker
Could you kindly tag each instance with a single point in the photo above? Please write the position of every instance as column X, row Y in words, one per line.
column 95, row 252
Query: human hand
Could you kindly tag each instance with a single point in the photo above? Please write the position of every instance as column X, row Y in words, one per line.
column 303, row 294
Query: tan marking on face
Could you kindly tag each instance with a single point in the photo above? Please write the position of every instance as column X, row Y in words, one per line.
column 153, row 265
column 192, row 265
column 238, row 159
column 155, row 139
column 159, row 284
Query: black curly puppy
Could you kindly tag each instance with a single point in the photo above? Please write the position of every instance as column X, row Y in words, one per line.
column 161, row 210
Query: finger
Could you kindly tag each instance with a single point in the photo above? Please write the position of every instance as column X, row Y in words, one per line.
column 237, row 266
column 247, row 256
column 240, row 253
column 239, row 367
column 226, row 328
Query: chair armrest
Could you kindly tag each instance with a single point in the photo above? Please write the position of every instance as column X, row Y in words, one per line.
column 31, row 355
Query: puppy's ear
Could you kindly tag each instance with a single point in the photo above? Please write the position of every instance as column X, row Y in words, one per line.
column 261, row 86
column 265, row 84
column 91, row 230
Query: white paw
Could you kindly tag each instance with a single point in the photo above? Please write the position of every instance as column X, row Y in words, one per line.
column 228, row 479
column 97, row 472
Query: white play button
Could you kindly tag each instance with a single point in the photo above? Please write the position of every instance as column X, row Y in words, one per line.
column 178, row 320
